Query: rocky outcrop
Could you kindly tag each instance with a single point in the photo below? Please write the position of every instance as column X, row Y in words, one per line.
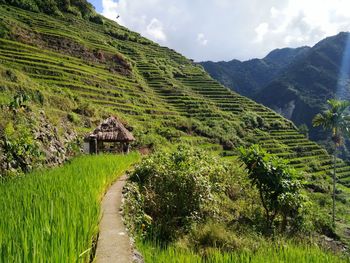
column 42, row 145
column 56, row 148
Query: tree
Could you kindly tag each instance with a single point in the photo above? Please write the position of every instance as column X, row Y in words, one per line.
column 337, row 120
column 277, row 184
column 19, row 102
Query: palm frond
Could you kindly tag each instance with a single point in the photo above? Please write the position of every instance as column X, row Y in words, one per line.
column 335, row 118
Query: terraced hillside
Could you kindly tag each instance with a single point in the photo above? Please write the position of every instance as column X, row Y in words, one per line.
column 152, row 88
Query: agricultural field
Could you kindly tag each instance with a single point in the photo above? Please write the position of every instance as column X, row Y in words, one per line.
column 50, row 215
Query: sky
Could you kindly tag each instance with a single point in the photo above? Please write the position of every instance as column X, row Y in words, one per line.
column 229, row 29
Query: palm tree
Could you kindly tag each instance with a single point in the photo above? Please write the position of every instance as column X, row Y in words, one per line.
column 335, row 119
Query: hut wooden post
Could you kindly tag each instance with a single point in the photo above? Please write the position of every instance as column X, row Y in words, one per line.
column 93, row 145
column 100, row 146
column 126, row 147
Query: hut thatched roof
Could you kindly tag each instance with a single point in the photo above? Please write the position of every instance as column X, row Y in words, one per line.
column 111, row 130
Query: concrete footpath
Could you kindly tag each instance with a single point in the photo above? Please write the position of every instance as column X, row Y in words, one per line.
column 113, row 245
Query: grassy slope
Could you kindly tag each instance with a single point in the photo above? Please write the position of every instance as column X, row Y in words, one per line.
column 164, row 90
column 287, row 253
column 52, row 215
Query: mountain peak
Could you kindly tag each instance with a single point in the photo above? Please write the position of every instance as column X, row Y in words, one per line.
column 285, row 53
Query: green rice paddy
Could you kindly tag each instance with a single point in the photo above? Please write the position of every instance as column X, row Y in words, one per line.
column 53, row 215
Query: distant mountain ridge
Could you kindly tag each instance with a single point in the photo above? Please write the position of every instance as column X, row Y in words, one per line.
column 248, row 77
column 294, row 82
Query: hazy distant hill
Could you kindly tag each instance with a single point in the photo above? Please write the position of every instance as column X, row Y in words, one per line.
column 250, row 76
column 293, row 82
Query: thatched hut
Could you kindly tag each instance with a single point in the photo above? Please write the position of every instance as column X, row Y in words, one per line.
column 109, row 136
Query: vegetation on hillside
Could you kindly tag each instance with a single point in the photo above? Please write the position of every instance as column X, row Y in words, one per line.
column 286, row 252
column 337, row 120
column 81, row 8
column 191, row 205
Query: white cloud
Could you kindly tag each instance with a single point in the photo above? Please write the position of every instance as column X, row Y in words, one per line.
column 155, row 30
column 302, row 22
column 261, row 31
column 236, row 29
column 110, row 9
column 201, row 39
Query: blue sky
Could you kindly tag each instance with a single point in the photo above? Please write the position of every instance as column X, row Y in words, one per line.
column 230, row 29
column 97, row 4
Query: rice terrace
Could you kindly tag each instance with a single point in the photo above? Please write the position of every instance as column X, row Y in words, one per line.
column 116, row 148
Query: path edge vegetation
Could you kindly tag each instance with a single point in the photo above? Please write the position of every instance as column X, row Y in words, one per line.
column 199, row 236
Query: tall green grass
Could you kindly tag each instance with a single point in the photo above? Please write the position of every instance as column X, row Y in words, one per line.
column 53, row 215
column 287, row 253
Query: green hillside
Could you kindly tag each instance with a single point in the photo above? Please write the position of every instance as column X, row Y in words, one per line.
column 77, row 71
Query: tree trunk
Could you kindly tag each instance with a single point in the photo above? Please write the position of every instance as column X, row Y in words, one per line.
column 284, row 223
column 267, row 212
column 334, row 183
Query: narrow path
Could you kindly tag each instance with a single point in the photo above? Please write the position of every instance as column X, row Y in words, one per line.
column 113, row 245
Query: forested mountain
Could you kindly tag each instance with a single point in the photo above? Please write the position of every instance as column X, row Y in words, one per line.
column 248, row 77
column 294, row 82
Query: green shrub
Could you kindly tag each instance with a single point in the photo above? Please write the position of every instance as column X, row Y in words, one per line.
column 19, row 102
column 85, row 109
column 4, row 32
column 72, row 117
column 21, row 151
column 39, row 97
column 137, row 221
column 279, row 188
column 175, row 188
column 97, row 19
column 250, row 120
column 169, row 134
column 149, row 140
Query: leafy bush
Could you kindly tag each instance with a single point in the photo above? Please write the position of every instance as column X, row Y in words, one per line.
column 146, row 139
column 250, row 120
column 175, row 188
column 169, row 134
column 279, row 188
column 21, row 151
column 72, row 117
column 85, row 109
column 19, row 102
column 97, row 19
column 4, row 31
